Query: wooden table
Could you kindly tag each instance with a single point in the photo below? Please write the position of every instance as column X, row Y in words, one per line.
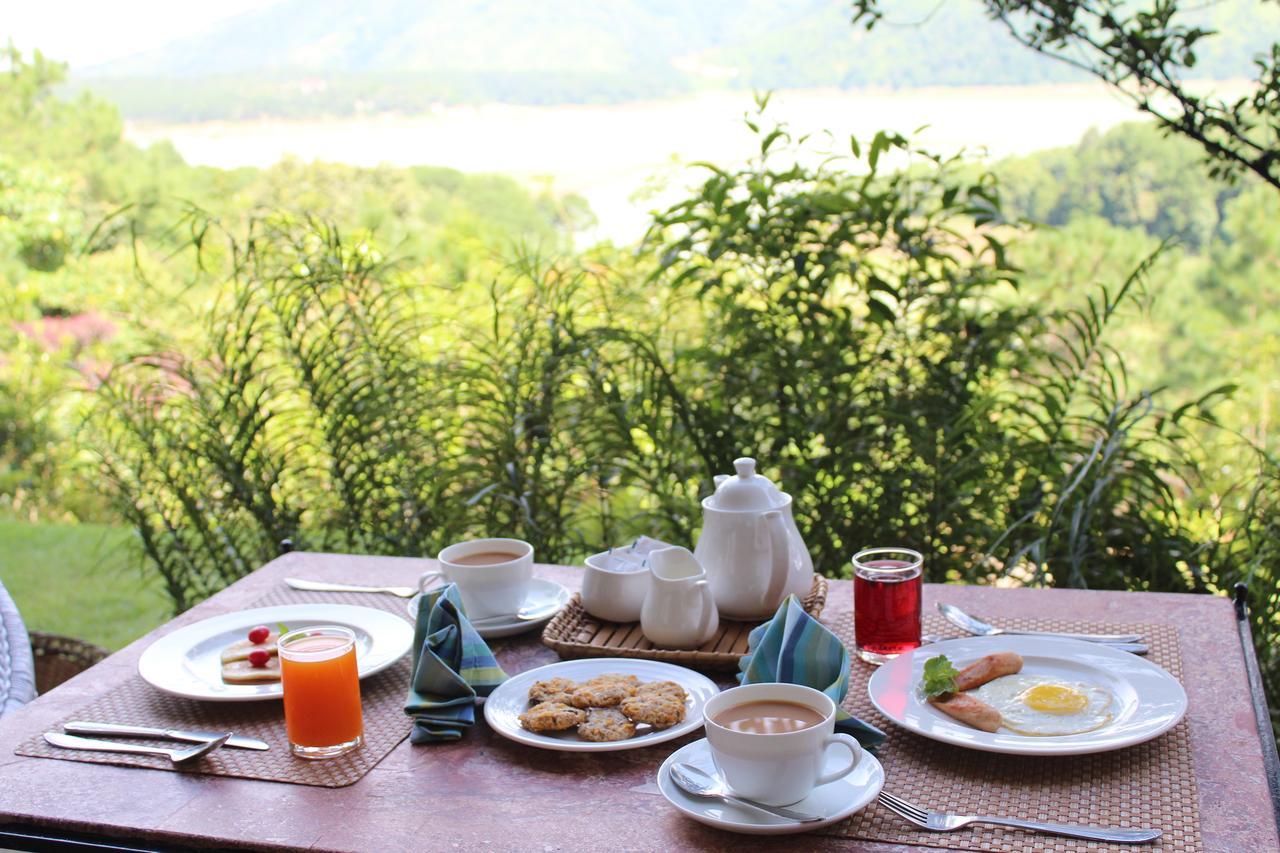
column 487, row 792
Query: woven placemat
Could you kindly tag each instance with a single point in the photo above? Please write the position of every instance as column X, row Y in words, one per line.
column 575, row 633
column 1152, row 784
column 137, row 703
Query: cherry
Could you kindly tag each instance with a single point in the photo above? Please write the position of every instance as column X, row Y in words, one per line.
column 259, row 635
column 259, row 658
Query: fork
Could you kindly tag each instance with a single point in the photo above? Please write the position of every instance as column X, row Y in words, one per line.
column 943, row 822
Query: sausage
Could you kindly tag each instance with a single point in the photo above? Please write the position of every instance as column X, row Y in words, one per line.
column 969, row 710
column 987, row 669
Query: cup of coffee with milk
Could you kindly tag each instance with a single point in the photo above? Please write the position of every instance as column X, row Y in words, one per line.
column 493, row 575
column 770, row 741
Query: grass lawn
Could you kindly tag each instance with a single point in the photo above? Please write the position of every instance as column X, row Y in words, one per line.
column 80, row 580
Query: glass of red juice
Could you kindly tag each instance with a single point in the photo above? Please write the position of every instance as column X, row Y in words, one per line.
column 886, row 602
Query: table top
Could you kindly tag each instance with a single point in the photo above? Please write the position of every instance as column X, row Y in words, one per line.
column 485, row 791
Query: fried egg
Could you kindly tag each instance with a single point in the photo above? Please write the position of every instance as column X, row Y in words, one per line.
column 1042, row 706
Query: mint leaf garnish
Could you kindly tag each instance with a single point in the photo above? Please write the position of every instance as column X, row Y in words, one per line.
column 939, row 676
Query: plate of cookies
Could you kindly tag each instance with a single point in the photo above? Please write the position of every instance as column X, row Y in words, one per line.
column 599, row 704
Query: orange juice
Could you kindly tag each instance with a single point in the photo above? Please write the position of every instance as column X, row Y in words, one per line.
column 321, row 691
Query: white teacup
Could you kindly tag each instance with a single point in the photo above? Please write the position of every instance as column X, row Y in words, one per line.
column 783, row 768
column 489, row 584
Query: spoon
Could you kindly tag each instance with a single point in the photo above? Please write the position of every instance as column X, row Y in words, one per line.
column 1134, row 648
column 699, row 783
column 521, row 615
column 318, row 586
column 177, row 756
column 963, row 620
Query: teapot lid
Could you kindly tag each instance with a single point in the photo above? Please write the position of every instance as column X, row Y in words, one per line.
column 747, row 491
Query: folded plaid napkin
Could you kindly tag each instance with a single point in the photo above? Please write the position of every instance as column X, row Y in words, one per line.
column 795, row 648
column 453, row 666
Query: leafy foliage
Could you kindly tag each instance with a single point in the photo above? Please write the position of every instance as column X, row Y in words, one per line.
column 93, row 267
column 1144, row 51
column 850, row 320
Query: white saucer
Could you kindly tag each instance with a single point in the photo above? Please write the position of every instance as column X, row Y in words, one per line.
column 833, row 802
column 542, row 593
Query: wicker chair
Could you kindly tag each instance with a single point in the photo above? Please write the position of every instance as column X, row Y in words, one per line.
column 17, row 674
column 58, row 658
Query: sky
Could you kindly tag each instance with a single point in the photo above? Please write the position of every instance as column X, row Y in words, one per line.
column 84, row 33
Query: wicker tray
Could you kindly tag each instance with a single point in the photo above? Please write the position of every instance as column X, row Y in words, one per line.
column 574, row 633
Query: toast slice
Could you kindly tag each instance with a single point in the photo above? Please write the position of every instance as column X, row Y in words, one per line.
column 243, row 672
column 240, row 650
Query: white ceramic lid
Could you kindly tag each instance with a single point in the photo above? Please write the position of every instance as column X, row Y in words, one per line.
column 747, row 491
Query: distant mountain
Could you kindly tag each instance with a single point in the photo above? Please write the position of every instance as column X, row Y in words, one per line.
column 343, row 56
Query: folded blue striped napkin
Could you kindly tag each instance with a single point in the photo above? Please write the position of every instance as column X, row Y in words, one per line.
column 795, row 648
column 452, row 666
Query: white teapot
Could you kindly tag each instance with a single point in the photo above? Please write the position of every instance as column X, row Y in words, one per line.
column 750, row 545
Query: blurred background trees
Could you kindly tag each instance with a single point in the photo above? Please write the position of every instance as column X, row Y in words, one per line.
column 1057, row 368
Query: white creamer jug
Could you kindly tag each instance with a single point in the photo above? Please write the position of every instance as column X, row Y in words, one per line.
column 750, row 546
column 678, row 611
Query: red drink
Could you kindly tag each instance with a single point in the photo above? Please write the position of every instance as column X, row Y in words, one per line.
column 886, row 603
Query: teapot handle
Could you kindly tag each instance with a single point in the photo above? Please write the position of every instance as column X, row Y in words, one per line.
column 780, row 550
column 708, row 609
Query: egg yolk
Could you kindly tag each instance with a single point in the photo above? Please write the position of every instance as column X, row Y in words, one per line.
column 1054, row 699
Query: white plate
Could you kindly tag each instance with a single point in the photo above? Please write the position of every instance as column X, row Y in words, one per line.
column 833, row 802
column 542, row 593
column 187, row 662
column 1146, row 700
column 505, row 705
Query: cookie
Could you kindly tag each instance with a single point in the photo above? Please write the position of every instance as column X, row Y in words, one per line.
column 552, row 690
column 604, row 691
column 552, row 717
column 662, row 711
column 605, row 724
column 662, row 688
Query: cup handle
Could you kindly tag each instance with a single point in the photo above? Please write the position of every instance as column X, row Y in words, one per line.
column 708, row 610
column 850, row 743
column 426, row 577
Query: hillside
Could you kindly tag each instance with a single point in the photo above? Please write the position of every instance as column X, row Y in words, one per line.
column 342, row 57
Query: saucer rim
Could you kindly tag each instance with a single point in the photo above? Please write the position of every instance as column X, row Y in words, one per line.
column 788, row 828
column 562, row 595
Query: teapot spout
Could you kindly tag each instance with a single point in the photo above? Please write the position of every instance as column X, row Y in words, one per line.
column 719, row 478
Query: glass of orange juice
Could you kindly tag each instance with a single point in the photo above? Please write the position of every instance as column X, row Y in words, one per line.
column 321, row 691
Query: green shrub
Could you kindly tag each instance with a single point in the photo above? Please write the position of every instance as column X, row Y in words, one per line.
column 853, row 324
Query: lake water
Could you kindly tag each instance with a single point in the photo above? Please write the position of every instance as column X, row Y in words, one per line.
column 627, row 159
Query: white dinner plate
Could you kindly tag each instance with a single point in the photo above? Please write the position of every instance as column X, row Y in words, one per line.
column 504, row 706
column 1146, row 700
column 542, row 593
column 188, row 662
column 833, row 802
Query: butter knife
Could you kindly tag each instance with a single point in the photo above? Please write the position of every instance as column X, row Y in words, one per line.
column 82, row 728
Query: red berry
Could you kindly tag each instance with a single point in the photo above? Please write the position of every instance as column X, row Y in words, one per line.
column 259, row 634
column 259, row 658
